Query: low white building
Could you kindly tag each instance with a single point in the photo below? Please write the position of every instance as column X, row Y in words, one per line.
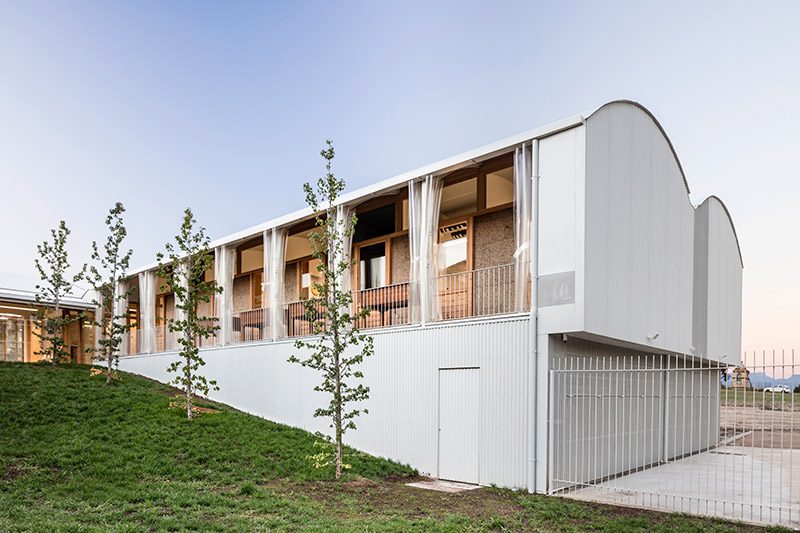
column 489, row 274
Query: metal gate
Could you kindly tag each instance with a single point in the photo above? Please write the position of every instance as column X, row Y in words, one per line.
column 678, row 434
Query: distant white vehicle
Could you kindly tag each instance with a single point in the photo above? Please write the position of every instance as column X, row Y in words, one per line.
column 783, row 389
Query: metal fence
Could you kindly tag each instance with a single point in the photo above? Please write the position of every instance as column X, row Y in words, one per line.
column 679, row 434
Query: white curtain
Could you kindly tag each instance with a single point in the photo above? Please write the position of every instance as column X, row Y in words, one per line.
column 224, row 264
column 121, row 309
column 343, row 216
column 523, row 169
column 416, row 292
column 424, row 199
column 147, row 308
column 433, row 186
column 265, row 279
column 183, row 278
column 275, row 268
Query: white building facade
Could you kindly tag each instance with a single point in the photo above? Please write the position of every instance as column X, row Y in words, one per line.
column 484, row 273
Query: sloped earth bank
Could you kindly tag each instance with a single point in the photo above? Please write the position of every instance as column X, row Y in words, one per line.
column 79, row 455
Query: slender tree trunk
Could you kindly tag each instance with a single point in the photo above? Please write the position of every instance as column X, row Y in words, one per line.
column 109, row 356
column 187, row 335
column 108, row 349
column 332, row 293
column 188, row 390
column 338, row 420
column 56, row 333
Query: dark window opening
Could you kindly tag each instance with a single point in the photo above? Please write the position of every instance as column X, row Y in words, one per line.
column 375, row 223
column 372, row 266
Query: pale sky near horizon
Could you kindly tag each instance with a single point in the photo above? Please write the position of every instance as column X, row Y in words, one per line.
column 223, row 106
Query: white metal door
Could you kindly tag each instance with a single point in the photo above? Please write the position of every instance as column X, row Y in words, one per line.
column 459, row 397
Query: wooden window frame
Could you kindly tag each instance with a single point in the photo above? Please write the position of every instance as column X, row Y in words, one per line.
column 251, row 243
column 387, row 246
column 299, row 274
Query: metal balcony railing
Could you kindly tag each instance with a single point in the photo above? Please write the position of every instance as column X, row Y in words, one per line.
column 134, row 341
column 166, row 340
column 251, row 325
column 298, row 321
column 388, row 306
column 475, row 293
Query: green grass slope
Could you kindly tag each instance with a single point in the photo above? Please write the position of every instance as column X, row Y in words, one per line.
column 77, row 455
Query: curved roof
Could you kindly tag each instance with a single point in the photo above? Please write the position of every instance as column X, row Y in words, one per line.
column 658, row 125
column 678, row 162
column 730, row 221
column 443, row 166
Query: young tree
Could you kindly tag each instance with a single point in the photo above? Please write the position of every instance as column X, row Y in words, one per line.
column 105, row 277
column 339, row 347
column 187, row 261
column 52, row 265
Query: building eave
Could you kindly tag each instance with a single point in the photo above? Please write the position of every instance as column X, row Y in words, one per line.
column 440, row 167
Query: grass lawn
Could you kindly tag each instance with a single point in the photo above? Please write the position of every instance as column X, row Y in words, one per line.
column 77, row 455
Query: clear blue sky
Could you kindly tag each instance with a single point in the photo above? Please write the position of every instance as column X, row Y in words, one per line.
column 223, row 106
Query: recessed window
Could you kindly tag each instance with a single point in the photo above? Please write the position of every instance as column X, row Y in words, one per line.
column 459, row 199
column 309, row 275
column 372, row 266
column 251, row 258
column 500, row 187
column 452, row 250
column 297, row 246
column 375, row 223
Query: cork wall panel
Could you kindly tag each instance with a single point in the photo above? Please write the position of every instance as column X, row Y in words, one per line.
column 401, row 262
column 290, row 282
column 494, row 239
column 204, row 309
column 241, row 294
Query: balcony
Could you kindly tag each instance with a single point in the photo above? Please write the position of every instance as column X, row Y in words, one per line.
column 166, row 340
column 298, row 321
column 388, row 306
column 476, row 293
column 134, row 340
column 251, row 325
column 471, row 294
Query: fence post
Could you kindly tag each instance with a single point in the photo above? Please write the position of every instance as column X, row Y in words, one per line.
column 664, row 409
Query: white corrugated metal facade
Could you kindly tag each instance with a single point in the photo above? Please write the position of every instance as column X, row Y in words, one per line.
column 617, row 255
column 403, row 378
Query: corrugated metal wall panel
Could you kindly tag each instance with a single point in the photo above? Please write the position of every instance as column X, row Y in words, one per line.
column 717, row 285
column 639, row 233
column 403, row 378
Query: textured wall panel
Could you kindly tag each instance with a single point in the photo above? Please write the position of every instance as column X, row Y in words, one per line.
column 639, row 233
column 717, row 322
column 494, row 239
column 403, row 377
